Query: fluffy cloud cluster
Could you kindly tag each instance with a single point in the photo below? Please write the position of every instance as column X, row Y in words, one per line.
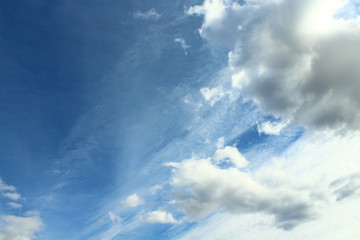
column 291, row 189
column 205, row 189
column 17, row 227
column 20, row 228
column 202, row 188
column 296, row 59
column 315, row 179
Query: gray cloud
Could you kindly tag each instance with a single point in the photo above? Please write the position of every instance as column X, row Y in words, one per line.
column 202, row 188
column 302, row 64
column 346, row 187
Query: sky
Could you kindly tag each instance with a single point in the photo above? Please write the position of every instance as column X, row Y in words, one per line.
column 203, row 119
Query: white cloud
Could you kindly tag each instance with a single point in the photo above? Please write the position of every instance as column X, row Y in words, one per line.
column 333, row 223
column 12, row 195
column 159, row 217
column 231, row 153
column 20, row 228
column 5, row 187
column 271, row 128
column 293, row 58
column 324, row 172
column 201, row 188
column 240, row 79
column 220, row 142
column 213, row 95
column 151, row 14
column 132, row 201
column 182, row 43
column 154, row 189
column 9, row 192
column 14, row 205
column 114, row 218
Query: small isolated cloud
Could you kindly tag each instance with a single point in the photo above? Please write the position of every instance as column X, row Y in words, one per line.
column 231, row 153
column 12, row 195
column 151, row 14
column 213, row 95
column 182, row 43
column 22, row 228
column 271, row 128
column 14, row 205
column 220, row 142
column 160, row 217
column 154, row 189
column 5, row 187
column 132, row 201
column 114, row 218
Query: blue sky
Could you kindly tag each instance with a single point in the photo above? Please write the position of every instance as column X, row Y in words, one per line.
column 214, row 119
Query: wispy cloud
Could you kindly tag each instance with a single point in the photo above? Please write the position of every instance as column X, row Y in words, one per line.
column 14, row 205
column 152, row 14
column 114, row 218
column 182, row 43
column 12, row 195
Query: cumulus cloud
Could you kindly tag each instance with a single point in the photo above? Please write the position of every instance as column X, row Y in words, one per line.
column 132, row 201
column 159, row 217
column 182, row 43
column 295, row 59
column 22, row 228
column 270, row 128
column 151, row 14
column 231, row 153
column 202, row 188
column 322, row 176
